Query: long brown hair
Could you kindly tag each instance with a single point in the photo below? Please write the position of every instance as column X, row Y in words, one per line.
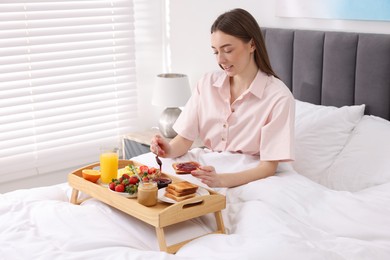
column 241, row 24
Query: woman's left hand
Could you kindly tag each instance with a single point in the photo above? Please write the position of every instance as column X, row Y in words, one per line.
column 208, row 176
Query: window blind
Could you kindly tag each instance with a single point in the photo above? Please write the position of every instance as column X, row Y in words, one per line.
column 67, row 82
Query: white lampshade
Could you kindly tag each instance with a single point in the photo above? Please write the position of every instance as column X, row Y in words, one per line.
column 171, row 90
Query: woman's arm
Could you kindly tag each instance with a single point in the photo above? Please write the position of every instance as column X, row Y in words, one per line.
column 208, row 175
column 178, row 146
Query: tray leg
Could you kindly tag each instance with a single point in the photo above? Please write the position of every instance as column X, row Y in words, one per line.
column 172, row 249
column 74, row 196
column 219, row 220
column 161, row 239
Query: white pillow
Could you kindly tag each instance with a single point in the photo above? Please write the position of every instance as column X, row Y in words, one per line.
column 320, row 134
column 363, row 162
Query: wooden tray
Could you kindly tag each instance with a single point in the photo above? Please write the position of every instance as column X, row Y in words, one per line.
column 159, row 216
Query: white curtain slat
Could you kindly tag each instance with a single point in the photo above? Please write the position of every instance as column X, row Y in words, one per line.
column 44, row 69
column 79, row 47
column 75, row 79
column 67, row 82
column 91, row 87
column 12, row 63
column 66, row 110
column 19, row 26
column 17, row 139
column 53, row 140
column 27, row 20
column 72, row 38
column 10, row 55
column 74, row 118
column 11, row 5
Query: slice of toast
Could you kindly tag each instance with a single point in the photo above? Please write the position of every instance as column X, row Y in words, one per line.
column 185, row 167
column 183, row 186
column 178, row 194
column 181, row 198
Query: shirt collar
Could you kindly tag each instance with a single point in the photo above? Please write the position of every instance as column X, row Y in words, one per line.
column 221, row 79
column 256, row 88
column 258, row 84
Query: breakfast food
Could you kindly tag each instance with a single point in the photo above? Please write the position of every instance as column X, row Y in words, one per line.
column 144, row 172
column 183, row 186
column 185, row 167
column 163, row 182
column 180, row 191
column 147, row 193
column 180, row 198
column 91, row 175
column 125, row 183
column 129, row 178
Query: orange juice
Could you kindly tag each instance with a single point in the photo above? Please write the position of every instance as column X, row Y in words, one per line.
column 108, row 166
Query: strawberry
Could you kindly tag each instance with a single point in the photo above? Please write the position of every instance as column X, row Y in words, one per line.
column 152, row 170
column 112, row 185
column 144, row 169
column 145, row 179
column 126, row 176
column 125, row 182
column 133, row 180
column 120, row 188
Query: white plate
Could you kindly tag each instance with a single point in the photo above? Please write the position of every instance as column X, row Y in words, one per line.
column 124, row 194
column 161, row 195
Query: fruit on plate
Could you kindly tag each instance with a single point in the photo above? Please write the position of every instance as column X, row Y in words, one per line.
column 125, row 170
column 125, row 183
column 91, row 175
column 130, row 176
column 142, row 171
column 148, row 173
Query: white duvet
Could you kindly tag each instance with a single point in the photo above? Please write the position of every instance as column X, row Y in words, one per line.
column 286, row 216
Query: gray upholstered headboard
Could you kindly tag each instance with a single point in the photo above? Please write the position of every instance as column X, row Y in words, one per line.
column 333, row 68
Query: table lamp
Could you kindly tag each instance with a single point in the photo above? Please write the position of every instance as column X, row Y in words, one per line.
column 172, row 90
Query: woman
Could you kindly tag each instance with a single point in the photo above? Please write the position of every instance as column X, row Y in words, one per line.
column 244, row 108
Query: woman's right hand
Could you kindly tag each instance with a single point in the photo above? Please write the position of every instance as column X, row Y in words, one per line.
column 159, row 146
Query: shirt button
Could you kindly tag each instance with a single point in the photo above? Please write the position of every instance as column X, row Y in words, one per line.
column 224, row 125
column 232, row 110
column 223, row 139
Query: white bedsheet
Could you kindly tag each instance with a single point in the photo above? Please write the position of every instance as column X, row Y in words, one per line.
column 286, row 216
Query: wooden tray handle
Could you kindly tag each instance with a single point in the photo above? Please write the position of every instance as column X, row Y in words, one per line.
column 197, row 203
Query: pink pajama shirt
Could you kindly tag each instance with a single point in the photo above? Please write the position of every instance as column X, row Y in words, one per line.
column 259, row 122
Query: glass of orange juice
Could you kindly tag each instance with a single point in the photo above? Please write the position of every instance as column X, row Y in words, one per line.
column 108, row 164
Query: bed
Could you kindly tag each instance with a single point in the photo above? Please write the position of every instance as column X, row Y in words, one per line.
column 332, row 202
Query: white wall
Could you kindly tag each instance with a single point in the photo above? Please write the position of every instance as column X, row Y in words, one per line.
column 192, row 19
column 149, row 23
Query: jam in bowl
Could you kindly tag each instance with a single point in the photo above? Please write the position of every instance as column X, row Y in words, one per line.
column 163, row 182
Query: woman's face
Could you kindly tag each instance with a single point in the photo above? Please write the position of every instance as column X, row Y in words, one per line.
column 232, row 54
